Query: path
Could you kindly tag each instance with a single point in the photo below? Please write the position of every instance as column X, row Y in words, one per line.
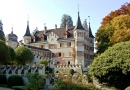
column 1, row 88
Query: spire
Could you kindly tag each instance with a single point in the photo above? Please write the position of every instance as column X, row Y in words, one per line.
column 90, row 32
column 12, row 30
column 27, row 29
column 78, row 24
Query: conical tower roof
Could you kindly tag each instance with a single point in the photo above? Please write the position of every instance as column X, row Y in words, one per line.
column 78, row 24
column 27, row 30
column 90, row 32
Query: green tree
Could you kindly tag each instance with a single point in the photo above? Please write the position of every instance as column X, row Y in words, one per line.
column 12, row 55
column 35, row 81
column 103, row 38
column 113, row 66
column 23, row 55
column 44, row 61
column 66, row 18
column 2, row 35
column 4, row 51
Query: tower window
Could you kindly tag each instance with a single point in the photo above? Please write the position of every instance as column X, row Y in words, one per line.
column 79, row 53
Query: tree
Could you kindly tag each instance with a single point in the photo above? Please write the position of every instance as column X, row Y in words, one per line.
column 103, row 38
column 113, row 66
column 66, row 18
column 4, row 51
column 107, row 34
column 43, row 61
column 36, row 81
column 123, row 10
column 2, row 35
column 11, row 54
column 23, row 55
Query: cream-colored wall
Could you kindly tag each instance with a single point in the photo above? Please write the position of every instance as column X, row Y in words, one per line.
column 12, row 44
column 26, row 38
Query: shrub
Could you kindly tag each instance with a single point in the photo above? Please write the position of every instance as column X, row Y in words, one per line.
column 68, row 85
column 113, row 66
column 15, row 80
column 43, row 61
column 50, row 70
column 19, row 87
column 35, row 81
column 71, row 71
column 3, row 79
column 128, row 88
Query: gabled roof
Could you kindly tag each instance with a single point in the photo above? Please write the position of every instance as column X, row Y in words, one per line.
column 78, row 24
column 27, row 30
column 90, row 32
column 59, row 32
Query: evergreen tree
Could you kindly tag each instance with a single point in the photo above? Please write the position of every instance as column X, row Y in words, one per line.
column 66, row 18
column 2, row 35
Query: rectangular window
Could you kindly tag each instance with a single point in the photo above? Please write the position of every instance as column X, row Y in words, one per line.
column 61, row 44
column 53, row 55
column 42, row 46
column 79, row 43
column 79, row 53
column 51, row 46
column 69, row 43
column 59, row 54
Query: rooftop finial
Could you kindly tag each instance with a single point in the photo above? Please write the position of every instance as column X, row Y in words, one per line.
column 28, row 20
column 12, row 30
column 78, row 9
column 89, row 19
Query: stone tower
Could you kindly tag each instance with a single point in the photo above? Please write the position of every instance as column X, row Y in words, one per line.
column 79, row 42
column 27, row 35
column 11, row 39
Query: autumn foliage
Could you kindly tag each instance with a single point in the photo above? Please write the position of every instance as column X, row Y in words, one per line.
column 125, row 9
column 115, row 28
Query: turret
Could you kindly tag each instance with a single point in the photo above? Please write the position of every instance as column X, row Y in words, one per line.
column 27, row 35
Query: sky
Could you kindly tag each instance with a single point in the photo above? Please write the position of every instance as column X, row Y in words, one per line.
column 14, row 13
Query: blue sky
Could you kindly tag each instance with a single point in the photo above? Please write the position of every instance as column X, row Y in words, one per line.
column 15, row 12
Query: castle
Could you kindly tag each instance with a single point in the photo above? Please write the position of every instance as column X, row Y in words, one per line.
column 70, row 45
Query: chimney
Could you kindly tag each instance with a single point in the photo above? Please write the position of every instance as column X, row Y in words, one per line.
column 55, row 26
column 67, row 26
column 45, row 28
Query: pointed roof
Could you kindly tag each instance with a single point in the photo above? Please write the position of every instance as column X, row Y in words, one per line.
column 27, row 30
column 78, row 24
column 90, row 32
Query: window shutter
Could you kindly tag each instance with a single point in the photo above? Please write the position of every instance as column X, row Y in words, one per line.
column 82, row 53
column 67, row 44
column 54, row 45
column 49, row 46
column 82, row 43
column 62, row 54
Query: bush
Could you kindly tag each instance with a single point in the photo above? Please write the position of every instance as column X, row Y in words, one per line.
column 50, row 70
column 3, row 79
column 43, row 61
column 15, row 80
column 35, row 81
column 128, row 88
column 71, row 71
column 19, row 87
column 113, row 66
column 68, row 85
